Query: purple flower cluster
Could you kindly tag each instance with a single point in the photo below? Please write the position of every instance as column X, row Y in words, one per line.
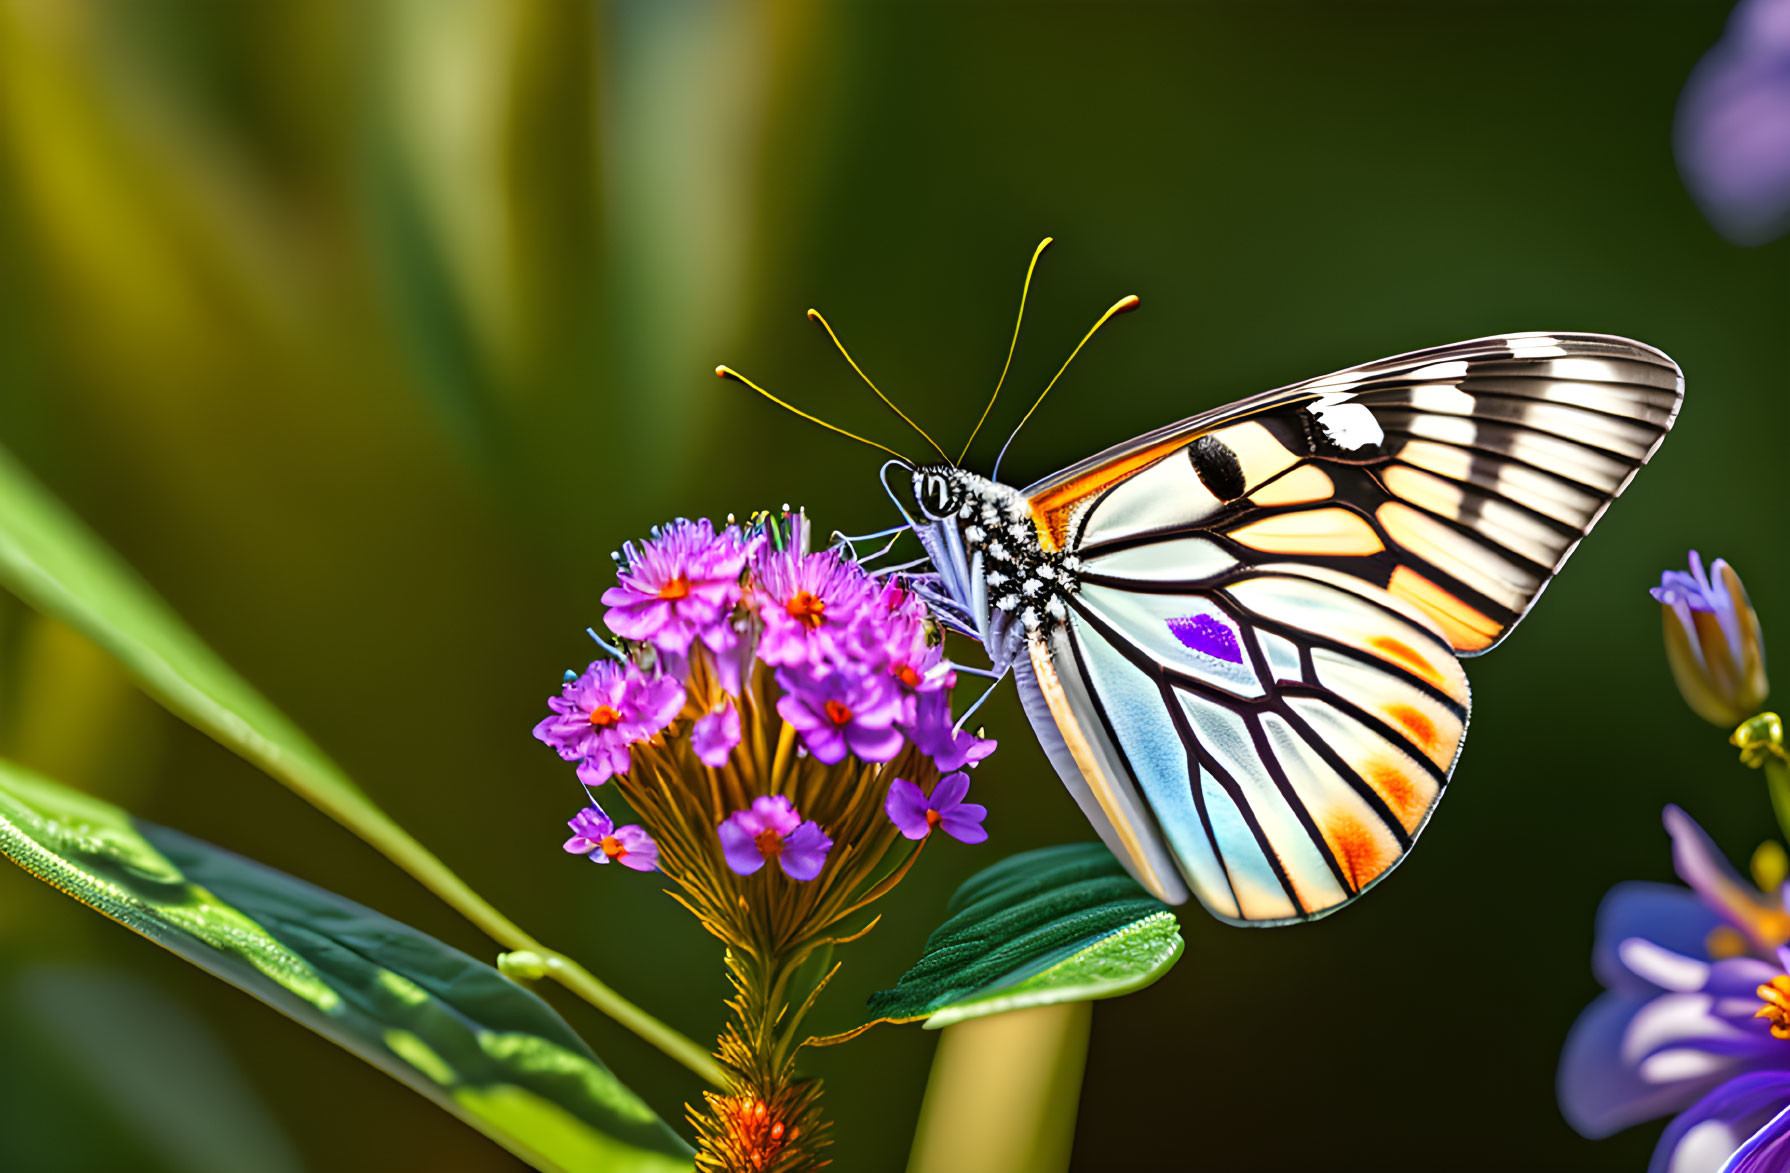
column 858, row 670
column 1696, row 1017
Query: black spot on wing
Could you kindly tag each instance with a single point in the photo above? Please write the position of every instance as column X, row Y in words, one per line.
column 1218, row 468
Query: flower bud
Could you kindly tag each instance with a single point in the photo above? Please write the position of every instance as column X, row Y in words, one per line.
column 1713, row 642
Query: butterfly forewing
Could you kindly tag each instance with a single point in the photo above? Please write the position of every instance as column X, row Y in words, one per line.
column 1258, row 677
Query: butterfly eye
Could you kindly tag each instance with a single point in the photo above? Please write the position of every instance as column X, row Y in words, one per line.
column 935, row 495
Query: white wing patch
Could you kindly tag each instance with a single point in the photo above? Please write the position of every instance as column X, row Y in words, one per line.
column 1350, row 426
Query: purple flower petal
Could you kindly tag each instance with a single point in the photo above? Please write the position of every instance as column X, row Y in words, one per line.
column 1668, row 915
column 950, row 791
column 1730, row 1118
column 805, row 852
column 1768, row 1149
column 776, row 813
column 715, row 735
column 739, row 846
column 638, row 851
column 1732, row 132
column 603, row 765
column 1701, row 864
column 964, row 823
column 906, row 807
column 588, row 828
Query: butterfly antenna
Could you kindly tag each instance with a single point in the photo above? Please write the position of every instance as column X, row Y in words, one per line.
column 814, row 316
column 1011, row 346
column 730, row 373
column 1123, row 306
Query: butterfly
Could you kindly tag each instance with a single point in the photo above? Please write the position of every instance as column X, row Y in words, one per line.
column 1239, row 637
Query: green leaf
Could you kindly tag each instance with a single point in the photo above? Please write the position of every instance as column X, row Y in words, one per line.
column 1063, row 924
column 452, row 1028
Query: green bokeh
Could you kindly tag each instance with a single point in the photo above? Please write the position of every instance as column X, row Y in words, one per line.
column 366, row 332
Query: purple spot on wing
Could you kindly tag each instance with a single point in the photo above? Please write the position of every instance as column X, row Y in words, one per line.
column 1208, row 636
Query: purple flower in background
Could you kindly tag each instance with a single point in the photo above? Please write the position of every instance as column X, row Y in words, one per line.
column 679, row 587
column 595, row 835
column 845, row 710
column 715, row 735
column 599, row 714
column 916, row 814
column 1696, row 998
column 808, row 603
column 934, row 731
column 1732, row 132
column 772, row 830
column 1713, row 642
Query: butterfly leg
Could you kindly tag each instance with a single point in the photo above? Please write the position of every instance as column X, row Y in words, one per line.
column 994, row 683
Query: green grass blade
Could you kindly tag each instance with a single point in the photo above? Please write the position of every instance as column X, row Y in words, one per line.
column 1064, row 924
column 448, row 1026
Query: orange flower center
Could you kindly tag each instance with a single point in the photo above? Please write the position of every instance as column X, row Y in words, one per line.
column 908, row 676
column 612, row 847
column 1776, row 995
column 676, row 589
column 808, row 608
column 752, row 1133
column 604, row 716
column 770, row 844
column 837, row 713
column 932, row 819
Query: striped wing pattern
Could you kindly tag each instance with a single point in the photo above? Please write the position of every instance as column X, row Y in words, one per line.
column 1258, row 692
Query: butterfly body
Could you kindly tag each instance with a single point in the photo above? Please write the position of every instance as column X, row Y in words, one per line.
column 1239, row 637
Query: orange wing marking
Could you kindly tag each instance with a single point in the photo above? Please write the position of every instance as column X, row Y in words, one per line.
column 1256, row 449
column 1361, row 855
column 1395, row 786
column 1465, row 627
column 1053, row 509
column 1400, row 652
column 1417, row 726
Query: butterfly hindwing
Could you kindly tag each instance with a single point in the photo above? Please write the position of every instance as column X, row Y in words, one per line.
column 1257, row 686
column 1282, row 737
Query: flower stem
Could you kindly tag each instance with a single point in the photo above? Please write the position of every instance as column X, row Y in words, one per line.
column 1760, row 740
column 1777, row 780
column 398, row 845
column 1003, row 1093
column 582, row 982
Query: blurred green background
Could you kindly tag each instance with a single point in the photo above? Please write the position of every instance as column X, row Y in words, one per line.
column 367, row 330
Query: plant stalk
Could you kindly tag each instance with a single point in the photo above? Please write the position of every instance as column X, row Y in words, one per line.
column 1003, row 1093
column 1777, row 781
